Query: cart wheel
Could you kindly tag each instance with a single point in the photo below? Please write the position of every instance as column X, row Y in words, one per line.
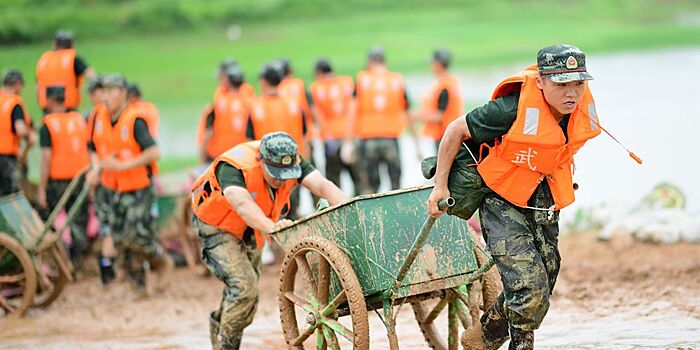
column 52, row 278
column 462, row 305
column 305, row 285
column 17, row 277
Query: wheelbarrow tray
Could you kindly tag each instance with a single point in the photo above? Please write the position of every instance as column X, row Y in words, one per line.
column 376, row 233
column 19, row 220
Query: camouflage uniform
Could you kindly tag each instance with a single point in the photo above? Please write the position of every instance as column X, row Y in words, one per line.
column 78, row 224
column 103, row 202
column 236, row 263
column 133, row 228
column 335, row 165
column 380, row 150
column 9, row 175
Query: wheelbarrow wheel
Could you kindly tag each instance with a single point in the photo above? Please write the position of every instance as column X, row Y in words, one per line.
column 18, row 281
column 52, row 277
column 307, row 284
column 462, row 304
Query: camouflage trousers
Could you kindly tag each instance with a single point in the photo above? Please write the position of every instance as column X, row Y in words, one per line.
column 78, row 224
column 9, row 175
column 133, row 227
column 237, row 264
column 374, row 152
column 524, row 246
column 335, row 166
column 103, row 203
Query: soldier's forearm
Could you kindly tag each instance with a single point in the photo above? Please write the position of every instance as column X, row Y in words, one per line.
column 455, row 133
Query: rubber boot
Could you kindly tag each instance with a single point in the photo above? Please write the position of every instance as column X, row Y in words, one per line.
column 214, row 330
column 521, row 340
column 106, row 270
column 488, row 334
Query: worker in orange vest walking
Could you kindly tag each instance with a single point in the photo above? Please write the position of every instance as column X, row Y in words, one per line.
column 534, row 124
column 293, row 88
column 443, row 102
column 149, row 112
column 227, row 122
column 133, row 219
column 15, row 125
column 236, row 203
column 334, row 105
column 381, row 117
column 62, row 67
column 63, row 138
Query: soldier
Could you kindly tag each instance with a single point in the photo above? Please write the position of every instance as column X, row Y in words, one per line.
column 63, row 138
column 15, row 125
column 132, row 219
column 62, row 67
column 149, row 112
column 236, row 203
column 293, row 88
column 94, row 90
column 381, row 118
column 443, row 103
column 333, row 105
column 540, row 117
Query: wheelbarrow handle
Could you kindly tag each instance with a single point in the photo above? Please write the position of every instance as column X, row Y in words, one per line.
column 417, row 245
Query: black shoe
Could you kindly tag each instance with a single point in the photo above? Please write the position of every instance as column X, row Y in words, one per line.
column 494, row 326
column 521, row 340
column 106, row 270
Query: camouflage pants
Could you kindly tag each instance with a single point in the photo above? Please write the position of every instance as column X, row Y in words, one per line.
column 134, row 232
column 335, row 165
column 236, row 263
column 103, row 203
column 9, row 175
column 525, row 249
column 375, row 151
column 78, row 224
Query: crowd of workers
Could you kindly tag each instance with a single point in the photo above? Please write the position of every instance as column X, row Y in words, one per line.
column 258, row 151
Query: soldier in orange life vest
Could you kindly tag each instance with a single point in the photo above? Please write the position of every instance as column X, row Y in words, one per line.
column 535, row 123
column 443, row 102
column 64, row 153
column 227, row 122
column 293, row 88
column 94, row 89
column 150, row 114
column 333, row 105
column 381, row 118
column 236, row 203
column 62, row 67
column 133, row 218
column 15, row 125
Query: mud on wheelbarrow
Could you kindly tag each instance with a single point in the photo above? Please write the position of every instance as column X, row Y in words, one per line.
column 380, row 252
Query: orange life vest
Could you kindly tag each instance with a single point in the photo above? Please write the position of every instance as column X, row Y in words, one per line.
column 535, row 147
column 276, row 113
column 125, row 148
column 57, row 68
column 231, row 113
column 293, row 88
column 333, row 97
column 454, row 108
column 380, row 104
column 9, row 142
column 210, row 205
column 69, row 138
column 150, row 114
column 246, row 90
column 101, row 130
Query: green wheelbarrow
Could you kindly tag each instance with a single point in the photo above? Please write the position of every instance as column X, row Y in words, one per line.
column 34, row 265
column 378, row 253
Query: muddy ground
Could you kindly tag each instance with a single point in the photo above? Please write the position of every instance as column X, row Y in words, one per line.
column 616, row 295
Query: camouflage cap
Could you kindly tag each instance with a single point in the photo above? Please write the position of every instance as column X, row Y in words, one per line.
column 443, row 56
column 279, row 152
column 562, row 63
column 11, row 76
column 114, row 80
column 94, row 83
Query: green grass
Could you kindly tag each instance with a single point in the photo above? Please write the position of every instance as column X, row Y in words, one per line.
column 176, row 69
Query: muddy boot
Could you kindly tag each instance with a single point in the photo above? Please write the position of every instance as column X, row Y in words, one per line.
column 137, row 277
column 162, row 265
column 489, row 334
column 214, row 330
column 106, row 270
column 521, row 340
column 231, row 342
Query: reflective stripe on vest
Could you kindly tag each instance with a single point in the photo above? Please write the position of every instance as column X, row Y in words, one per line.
column 125, row 148
column 276, row 113
column 454, row 109
column 57, row 68
column 332, row 97
column 380, row 105
column 211, row 206
column 535, row 147
column 9, row 142
column 69, row 137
